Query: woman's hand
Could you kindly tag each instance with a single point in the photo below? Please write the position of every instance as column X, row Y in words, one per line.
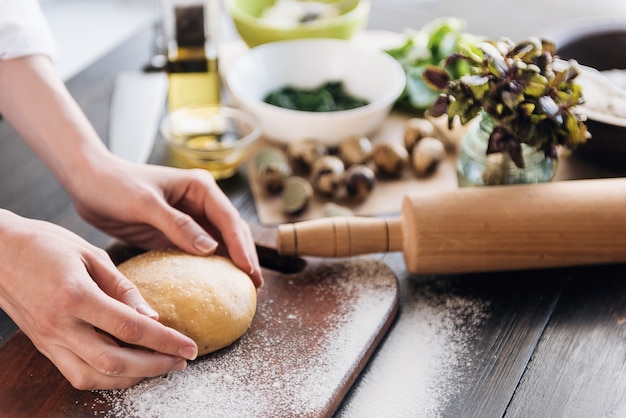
column 156, row 207
column 149, row 206
column 76, row 307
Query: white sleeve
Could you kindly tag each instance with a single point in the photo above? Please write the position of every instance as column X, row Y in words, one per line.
column 24, row 30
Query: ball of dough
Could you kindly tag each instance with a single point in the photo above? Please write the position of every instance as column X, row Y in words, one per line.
column 208, row 299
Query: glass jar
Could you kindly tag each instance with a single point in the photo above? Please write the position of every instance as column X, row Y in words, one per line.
column 475, row 168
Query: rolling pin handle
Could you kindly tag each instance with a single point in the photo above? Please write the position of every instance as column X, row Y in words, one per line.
column 340, row 236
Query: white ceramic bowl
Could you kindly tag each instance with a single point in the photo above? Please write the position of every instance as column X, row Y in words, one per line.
column 366, row 72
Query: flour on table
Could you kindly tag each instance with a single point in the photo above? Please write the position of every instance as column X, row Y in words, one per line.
column 419, row 377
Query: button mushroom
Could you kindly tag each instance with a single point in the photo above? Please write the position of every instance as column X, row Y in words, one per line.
column 390, row 159
column 427, row 155
column 272, row 169
column 415, row 130
column 355, row 150
column 327, row 174
column 360, row 181
column 305, row 152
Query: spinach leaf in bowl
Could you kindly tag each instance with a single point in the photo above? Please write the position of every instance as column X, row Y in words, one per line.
column 329, row 97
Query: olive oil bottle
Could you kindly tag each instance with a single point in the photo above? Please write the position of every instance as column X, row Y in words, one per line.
column 191, row 32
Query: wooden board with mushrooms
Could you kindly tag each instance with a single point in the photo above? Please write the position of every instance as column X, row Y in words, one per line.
column 364, row 176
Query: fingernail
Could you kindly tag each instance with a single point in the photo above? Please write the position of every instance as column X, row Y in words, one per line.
column 148, row 311
column 205, row 244
column 250, row 259
column 189, row 352
column 180, row 365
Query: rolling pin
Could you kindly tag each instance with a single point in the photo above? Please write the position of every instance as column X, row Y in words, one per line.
column 492, row 228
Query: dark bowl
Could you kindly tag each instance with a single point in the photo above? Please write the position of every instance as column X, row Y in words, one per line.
column 599, row 43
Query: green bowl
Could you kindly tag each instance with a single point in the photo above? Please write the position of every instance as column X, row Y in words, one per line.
column 255, row 31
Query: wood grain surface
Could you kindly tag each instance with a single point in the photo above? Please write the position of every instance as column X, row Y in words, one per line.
column 583, row 349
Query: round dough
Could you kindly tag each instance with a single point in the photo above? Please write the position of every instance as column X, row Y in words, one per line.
column 208, row 299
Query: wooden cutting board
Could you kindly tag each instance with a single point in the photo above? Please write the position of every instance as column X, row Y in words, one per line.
column 312, row 335
column 386, row 196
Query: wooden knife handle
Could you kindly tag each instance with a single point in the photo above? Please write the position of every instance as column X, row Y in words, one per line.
column 340, row 236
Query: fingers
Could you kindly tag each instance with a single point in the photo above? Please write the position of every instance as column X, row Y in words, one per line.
column 234, row 230
column 138, row 330
column 113, row 366
column 241, row 242
column 127, row 347
column 183, row 231
column 114, row 312
column 82, row 376
column 108, row 342
column 125, row 324
column 114, row 284
column 236, row 236
column 204, row 200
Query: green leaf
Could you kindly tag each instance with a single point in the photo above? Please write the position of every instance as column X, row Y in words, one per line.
column 436, row 78
column 535, row 85
column 526, row 109
column 512, row 99
column 440, row 106
column 526, row 50
column 479, row 87
column 528, row 91
column 420, row 94
column 550, row 108
column 431, row 45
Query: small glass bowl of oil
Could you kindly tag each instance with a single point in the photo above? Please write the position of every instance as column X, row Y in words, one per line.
column 214, row 137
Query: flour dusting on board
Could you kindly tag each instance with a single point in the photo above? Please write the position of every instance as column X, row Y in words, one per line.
column 285, row 365
column 418, row 377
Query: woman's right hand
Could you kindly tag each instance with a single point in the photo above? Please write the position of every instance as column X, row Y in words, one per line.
column 68, row 297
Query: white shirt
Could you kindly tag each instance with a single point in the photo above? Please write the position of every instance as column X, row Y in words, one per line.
column 24, row 30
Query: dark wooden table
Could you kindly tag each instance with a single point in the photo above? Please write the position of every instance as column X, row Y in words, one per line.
column 524, row 343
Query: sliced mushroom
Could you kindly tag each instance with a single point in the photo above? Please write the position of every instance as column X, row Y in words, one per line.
column 296, row 195
column 332, row 209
